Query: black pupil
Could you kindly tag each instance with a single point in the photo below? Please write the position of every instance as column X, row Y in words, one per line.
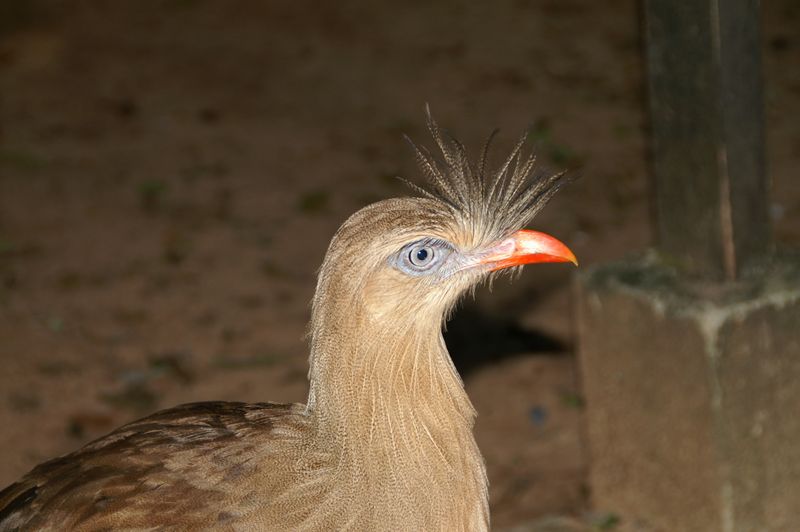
column 422, row 255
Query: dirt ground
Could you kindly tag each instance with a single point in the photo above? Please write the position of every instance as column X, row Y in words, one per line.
column 171, row 173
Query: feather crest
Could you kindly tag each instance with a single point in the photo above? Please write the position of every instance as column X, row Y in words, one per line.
column 492, row 203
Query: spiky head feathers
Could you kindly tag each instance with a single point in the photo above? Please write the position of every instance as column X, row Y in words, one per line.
column 489, row 204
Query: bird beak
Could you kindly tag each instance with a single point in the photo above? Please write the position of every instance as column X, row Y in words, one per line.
column 527, row 247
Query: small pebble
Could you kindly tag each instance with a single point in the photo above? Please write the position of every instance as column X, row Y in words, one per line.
column 538, row 415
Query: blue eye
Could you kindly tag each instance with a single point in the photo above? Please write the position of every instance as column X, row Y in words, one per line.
column 420, row 256
column 423, row 256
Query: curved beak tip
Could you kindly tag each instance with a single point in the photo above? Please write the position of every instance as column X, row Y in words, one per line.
column 572, row 258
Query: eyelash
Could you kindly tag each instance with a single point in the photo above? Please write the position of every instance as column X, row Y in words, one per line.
column 437, row 243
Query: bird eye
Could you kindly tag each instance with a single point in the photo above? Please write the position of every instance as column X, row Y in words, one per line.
column 423, row 256
column 420, row 256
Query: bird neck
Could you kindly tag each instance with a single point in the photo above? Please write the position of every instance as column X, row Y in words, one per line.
column 376, row 375
column 391, row 409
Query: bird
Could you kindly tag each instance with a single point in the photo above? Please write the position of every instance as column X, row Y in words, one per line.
column 385, row 440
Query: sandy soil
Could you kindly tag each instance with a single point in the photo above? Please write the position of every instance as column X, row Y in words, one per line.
column 171, row 173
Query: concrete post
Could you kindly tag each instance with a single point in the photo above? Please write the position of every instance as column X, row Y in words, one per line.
column 692, row 395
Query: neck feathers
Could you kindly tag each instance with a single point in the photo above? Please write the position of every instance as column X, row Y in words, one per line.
column 366, row 372
column 388, row 395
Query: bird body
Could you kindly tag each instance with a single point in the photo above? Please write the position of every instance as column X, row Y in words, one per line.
column 385, row 440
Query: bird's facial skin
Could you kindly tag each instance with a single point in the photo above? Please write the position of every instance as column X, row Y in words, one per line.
column 424, row 257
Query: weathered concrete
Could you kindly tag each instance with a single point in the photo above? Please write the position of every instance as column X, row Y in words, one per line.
column 693, row 397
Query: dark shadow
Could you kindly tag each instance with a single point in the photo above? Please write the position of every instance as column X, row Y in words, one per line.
column 476, row 338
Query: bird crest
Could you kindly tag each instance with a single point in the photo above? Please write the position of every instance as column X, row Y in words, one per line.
column 492, row 202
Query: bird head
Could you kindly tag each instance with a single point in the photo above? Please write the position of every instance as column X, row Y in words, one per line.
column 410, row 259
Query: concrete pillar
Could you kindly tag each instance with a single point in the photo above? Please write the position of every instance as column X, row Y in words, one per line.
column 693, row 397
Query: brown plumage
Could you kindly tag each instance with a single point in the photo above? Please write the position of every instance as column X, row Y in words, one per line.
column 385, row 441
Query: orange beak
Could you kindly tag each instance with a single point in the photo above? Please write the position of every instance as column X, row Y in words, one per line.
column 528, row 247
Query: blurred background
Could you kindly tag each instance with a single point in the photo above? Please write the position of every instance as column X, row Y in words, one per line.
column 171, row 172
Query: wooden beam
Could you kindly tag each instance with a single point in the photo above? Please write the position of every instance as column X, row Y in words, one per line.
column 707, row 119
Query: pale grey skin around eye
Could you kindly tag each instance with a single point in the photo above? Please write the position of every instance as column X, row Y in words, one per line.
column 428, row 257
